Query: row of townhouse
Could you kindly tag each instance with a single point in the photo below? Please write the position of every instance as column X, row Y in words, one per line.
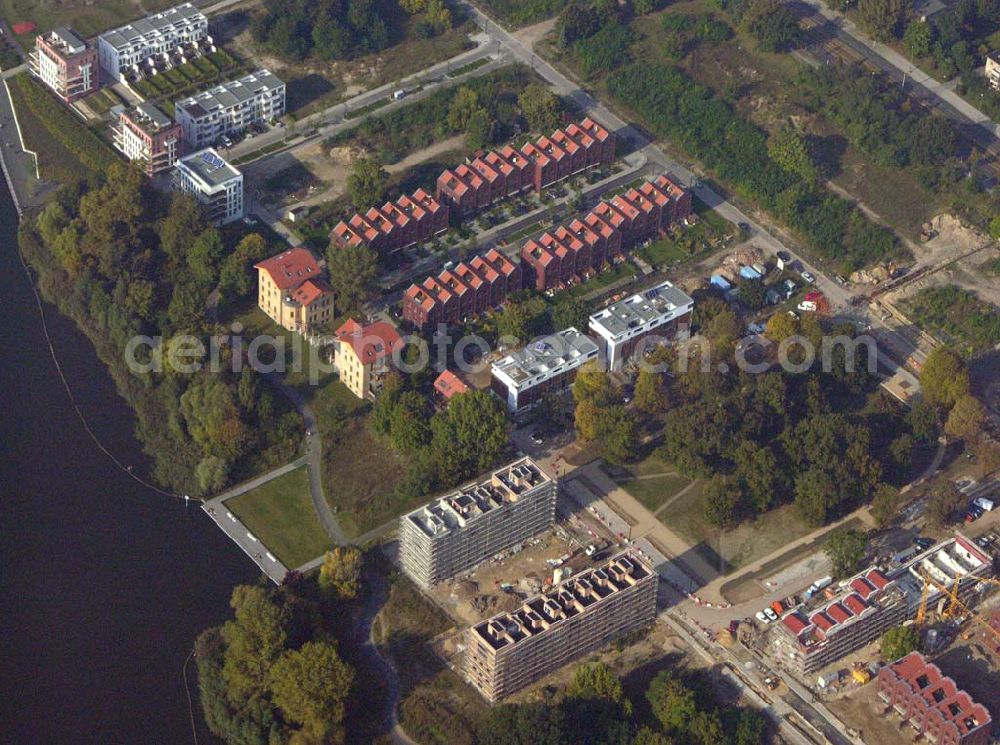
column 230, row 108
column 578, row 249
column 393, row 227
column 469, row 288
column 123, row 49
column 609, row 231
column 499, row 174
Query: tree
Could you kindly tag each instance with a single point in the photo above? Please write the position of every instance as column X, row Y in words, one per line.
column 788, row 148
column 846, row 550
column 469, row 436
column 353, row 274
column 523, row 724
column 772, row 24
column 780, row 326
column 885, row 505
column 587, row 420
column 254, row 639
column 706, row 728
column 571, row 312
column 212, row 473
column 310, row 685
column 945, row 500
column 409, row 427
column 944, row 377
column 518, row 321
column 751, row 727
column 205, row 257
column 918, row 38
column 899, row 641
column 649, row 396
column 759, row 474
column 340, row 573
column 540, row 107
column 882, row 18
column 480, row 130
column 594, row 384
column 620, row 435
column 237, row 275
column 966, row 418
column 721, row 500
column 672, row 702
column 213, row 418
column 815, row 495
column 994, row 228
column 463, row 106
column 366, row 183
column 922, row 419
column 596, row 680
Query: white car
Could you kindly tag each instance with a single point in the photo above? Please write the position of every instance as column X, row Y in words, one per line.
column 762, row 618
column 771, row 615
column 808, row 277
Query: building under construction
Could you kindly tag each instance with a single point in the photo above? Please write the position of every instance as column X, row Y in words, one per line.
column 577, row 616
column 931, row 703
column 459, row 530
column 858, row 612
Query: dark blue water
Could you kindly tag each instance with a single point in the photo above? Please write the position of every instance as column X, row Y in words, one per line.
column 103, row 583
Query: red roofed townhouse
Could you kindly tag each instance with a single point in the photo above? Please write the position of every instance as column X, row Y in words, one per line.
column 480, row 189
column 566, row 262
column 491, row 279
column 479, row 288
column 437, row 212
column 149, row 137
column 420, row 308
column 632, row 221
column 523, row 174
column 368, row 232
column 458, row 288
column 419, row 217
column 405, row 227
column 505, row 173
column 577, row 155
column 448, row 385
column 513, row 275
column 563, row 162
column 364, row 354
column 651, row 211
column 65, row 63
column 932, row 703
column 391, row 236
column 451, row 306
column 664, row 205
column 495, row 186
column 544, row 171
column 541, row 267
column 344, row 235
column 617, row 244
column 579, row 251
column 590, row 147
column 594, row 242
column 611, row 239
column 455, row 192
column 292, row 291
column 679, row 196
column 603, row 138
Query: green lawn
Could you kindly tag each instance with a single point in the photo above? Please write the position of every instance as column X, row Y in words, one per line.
column 280, row 513
column 653, row 492
column 958, row 316
column 86, row 17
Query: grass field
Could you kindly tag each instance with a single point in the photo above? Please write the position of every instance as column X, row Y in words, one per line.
column 86, row 17
column 280, row 513
column 654, row 491
column 957, row 315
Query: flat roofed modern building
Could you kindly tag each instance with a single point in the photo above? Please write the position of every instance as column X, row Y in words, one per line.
column 660, row 311
column 213, row 182
column 932, row 703
column 509, row 651
column 459, row 530
column 65, row 63
column 546, row 364
column 230, row 107
column 124, row 48
column 149, row 137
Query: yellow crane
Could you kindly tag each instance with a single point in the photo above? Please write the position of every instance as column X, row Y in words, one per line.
column 955, row 606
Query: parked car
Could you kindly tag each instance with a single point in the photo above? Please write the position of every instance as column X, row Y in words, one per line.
column 784, row 256
column 923, row 543
column 536, row 438
column 808, row 277
column 759, row 615
column 771, row 615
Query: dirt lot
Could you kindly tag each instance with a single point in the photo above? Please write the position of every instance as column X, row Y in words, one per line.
column 861, row 710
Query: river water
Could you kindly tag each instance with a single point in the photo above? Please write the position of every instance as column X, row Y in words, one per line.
column 104, row 584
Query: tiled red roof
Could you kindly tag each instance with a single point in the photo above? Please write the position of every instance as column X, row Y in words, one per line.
column 448, row 384
column 822, row 621
column 290, row 268
column 877, row 578
column 795, row 622
column 310, row 291
column 838, row 613
column 855, row 604
column 863, row 587
column 370, row 343
column 424, row 300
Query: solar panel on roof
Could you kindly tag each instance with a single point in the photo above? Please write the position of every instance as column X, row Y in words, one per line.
column 213, row 160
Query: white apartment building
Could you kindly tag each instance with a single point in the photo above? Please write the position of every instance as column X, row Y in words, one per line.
column 213, row 182
column 461, row 529
column 547, row 364
column 124, row 48
column 660, row 311
column 230, row 107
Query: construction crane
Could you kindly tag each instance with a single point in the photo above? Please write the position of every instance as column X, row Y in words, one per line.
column 954, row 604
column 922, row 608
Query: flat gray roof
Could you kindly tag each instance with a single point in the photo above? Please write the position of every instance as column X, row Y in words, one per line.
column 147, row 113
column 661, row 301
column 567, row 347
column 123, row 36
column 230, row 94
column 68, row 39
column 208, row 166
